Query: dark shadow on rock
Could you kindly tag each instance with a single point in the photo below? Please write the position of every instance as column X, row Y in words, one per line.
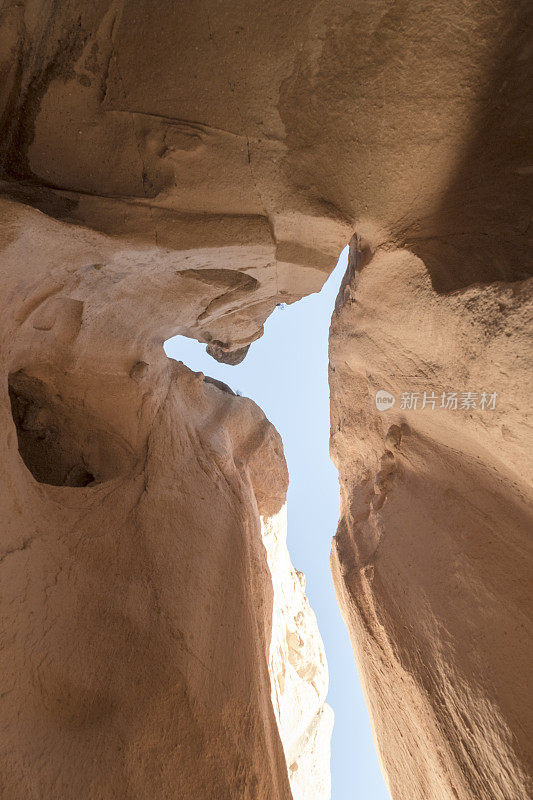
column 219, row 384
column 481, row 232
column 231, row 357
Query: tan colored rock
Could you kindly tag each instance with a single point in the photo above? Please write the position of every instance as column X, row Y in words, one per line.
column 432, row 558
column 183, row 168
column 136, row 119
column 298, row 671
column 137, row 599
column 137, row 608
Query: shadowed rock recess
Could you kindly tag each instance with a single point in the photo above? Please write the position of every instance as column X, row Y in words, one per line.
column 182, row 168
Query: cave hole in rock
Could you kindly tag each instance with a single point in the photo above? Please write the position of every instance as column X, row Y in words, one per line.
column 286, row 374
column 60, row 443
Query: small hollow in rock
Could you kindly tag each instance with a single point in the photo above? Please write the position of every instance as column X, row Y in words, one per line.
column 60, row 443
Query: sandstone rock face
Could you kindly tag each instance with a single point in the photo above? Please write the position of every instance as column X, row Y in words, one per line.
column 183, row 168
column 143, row 121
column 137, row 601
column 432, row 558
column 298, row 671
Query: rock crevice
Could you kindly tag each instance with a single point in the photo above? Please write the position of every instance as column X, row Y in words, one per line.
column 169, row 168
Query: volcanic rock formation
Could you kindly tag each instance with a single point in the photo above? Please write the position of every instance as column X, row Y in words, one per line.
column 183, row 168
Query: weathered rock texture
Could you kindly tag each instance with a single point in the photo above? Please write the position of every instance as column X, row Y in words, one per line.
column 137, row 602
column 432, row 559
column 136, row 596
column 182, row 168
column 144, row 121
column 298, row 671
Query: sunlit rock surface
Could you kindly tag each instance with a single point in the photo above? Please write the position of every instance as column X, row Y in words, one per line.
column 181, row 168
column 298, row 672
column 432, row 557
column 137, row 600
column 141, row 199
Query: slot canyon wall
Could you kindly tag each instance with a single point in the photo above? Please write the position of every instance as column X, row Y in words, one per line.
column 183, row 168
column 143, row 632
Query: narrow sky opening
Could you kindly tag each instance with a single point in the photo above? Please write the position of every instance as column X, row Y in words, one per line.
column 286, row 374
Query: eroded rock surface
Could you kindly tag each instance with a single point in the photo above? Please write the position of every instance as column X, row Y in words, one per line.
column 143, row 120
column 137, row 599
column 142, row 197
column 432, row 558
column 183, row 168
column 298, row 671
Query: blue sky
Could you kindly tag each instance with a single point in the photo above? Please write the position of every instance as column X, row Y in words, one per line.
column 286, row 374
